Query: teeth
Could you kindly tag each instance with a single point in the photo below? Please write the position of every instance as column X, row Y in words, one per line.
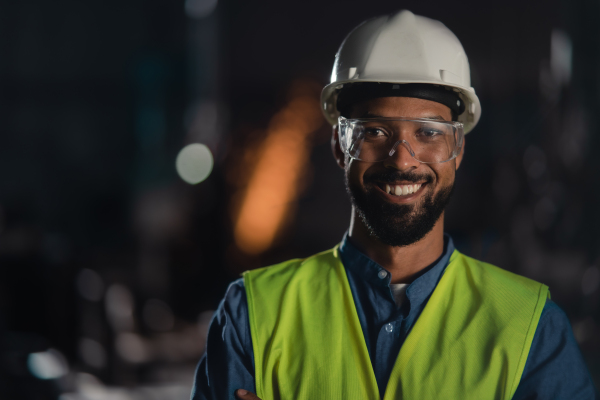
column 402, row 190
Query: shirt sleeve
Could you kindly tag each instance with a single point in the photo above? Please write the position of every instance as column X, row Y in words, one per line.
column 228, row 363
column 555, row 368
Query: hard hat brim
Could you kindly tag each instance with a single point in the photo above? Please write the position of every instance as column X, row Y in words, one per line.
column 469, row 117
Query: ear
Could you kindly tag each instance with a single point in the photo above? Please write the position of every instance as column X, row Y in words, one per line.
column 338, row 154
column 462, row 153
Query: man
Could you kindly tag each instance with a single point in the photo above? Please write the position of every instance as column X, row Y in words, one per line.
column 394, row 311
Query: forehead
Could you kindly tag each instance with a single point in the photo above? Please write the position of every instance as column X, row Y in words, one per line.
column 405, row 107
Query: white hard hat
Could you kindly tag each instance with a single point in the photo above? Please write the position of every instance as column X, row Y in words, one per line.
column 403, row 48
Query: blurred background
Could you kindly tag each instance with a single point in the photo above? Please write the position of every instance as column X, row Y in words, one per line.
column 153, row 150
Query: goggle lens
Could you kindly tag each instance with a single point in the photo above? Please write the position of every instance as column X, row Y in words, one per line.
column 375, row 139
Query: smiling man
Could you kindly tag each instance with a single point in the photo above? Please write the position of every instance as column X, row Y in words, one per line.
column 394, row 311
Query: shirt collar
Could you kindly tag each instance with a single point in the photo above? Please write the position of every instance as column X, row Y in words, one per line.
column 418, row 291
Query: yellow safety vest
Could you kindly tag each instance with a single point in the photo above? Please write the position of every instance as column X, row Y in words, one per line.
column 470, row 342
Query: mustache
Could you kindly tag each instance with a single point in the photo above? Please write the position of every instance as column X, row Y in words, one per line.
column 394, row 176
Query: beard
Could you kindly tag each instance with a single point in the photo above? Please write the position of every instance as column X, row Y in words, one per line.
column 398, row 224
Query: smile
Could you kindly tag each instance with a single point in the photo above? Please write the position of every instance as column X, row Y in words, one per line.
column 401, row 190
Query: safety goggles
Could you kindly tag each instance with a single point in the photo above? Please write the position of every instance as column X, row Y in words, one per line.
column 375, row 139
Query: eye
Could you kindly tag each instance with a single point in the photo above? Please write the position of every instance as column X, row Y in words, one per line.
column 429, row 132
column 375, row 132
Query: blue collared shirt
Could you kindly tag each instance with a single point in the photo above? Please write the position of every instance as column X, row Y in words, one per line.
column 554, row 368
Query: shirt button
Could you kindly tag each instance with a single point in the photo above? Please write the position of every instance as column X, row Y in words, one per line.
column 382, row 274
column 389, row 328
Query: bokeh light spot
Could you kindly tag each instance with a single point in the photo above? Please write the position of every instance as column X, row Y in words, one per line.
column 119, row 307
column 276, row 180
column 92, row 353
column 131, row 347
column 194, row 163
column 47, row 364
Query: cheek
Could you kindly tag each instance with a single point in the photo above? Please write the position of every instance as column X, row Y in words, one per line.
column 445, row 173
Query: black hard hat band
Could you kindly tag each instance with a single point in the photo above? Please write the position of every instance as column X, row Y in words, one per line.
column 361, row 91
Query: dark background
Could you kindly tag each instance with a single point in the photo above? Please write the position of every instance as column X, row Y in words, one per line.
column 111, row 265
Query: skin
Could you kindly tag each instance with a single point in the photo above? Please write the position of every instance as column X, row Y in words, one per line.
column 404, row 263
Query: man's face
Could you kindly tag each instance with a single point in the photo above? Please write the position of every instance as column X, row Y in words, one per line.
column 400, row 220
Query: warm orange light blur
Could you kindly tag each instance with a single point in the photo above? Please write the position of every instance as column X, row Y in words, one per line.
column 276, row 177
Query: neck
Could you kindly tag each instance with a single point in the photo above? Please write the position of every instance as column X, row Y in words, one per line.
column 404, row 263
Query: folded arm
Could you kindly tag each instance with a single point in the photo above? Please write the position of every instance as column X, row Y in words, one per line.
column 228, row 363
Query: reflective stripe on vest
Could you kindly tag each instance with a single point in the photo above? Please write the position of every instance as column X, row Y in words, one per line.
column 470, row 342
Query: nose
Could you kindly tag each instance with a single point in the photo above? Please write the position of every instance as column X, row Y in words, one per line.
column 401, row 156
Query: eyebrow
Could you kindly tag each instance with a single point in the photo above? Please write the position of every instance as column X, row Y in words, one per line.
column 369, row 114
column 435, row 118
